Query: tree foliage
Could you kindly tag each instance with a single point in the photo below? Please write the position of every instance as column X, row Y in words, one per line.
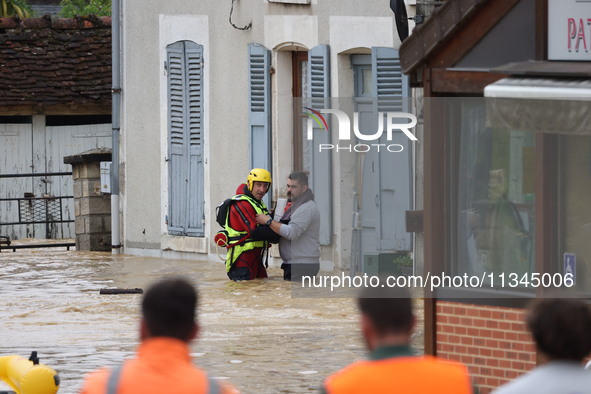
column 71, row 8
column 15, row 7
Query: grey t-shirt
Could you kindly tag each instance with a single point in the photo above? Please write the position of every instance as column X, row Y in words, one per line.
column 300, row 239
column 555, row 377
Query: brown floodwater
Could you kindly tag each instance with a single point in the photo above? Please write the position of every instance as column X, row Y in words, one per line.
column 254, row 334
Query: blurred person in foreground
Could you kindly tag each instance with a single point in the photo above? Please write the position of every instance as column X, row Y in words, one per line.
column 561, row 330
column 162, row 363
column 387, row 323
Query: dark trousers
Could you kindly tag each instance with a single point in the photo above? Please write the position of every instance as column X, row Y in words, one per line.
column 294, row 272
column 248, row 266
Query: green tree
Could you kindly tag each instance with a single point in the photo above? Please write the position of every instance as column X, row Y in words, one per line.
column 71, row 8
column 15, row 7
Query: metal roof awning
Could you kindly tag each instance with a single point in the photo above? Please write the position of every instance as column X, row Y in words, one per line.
column 546, row 69
column 540, row 88
column 550, row 105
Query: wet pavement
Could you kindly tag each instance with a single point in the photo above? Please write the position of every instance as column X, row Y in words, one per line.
column 255, row 334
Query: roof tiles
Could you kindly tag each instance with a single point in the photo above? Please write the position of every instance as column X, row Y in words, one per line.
column 46, row 62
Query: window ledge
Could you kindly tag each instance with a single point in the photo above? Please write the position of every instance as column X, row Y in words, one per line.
column 515, row 298
column 291, row 1
column 490, row 297
column 184, row 244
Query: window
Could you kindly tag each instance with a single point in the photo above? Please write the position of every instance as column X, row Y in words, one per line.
column 319, row 164
column 185, row 139
column 383, row 183
column 494, row 217
column 259, row 103
column 311, row 89
column 574, row 207
column 299, row 89
column 519, row 178
column 493, row 193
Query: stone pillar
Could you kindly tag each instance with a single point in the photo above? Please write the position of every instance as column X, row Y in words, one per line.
column 91, row 208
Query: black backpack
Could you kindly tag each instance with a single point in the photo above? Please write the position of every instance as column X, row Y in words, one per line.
column 221, row 211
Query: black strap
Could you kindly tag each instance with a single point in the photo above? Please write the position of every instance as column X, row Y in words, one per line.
column 242, row 216
column 267, row 258
column 113, row 382
column 238, row 239
column 232, row 257
column 214, row 386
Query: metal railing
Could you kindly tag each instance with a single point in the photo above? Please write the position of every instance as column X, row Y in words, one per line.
column 36, row 210
column 39, row 210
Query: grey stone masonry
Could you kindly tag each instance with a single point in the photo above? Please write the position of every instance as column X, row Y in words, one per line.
column 92, row 208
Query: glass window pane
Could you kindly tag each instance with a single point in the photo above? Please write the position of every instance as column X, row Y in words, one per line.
column 574, row 197
column 366, row 89
column 304, row 78
column 305, row 143
column 495, row 197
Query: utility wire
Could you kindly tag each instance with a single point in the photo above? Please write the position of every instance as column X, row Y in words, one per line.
column 232, row 23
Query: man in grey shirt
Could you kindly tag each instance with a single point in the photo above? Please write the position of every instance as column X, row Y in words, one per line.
column 561, row 329
column 299, row 228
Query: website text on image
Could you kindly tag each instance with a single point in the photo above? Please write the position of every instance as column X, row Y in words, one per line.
column 344, row 125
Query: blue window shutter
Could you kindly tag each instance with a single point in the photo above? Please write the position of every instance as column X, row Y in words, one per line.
column 259, row 104
column 390, row 84
column 185, row 139
column 321, row 162
column 177, row 169
column 394, row 170
column 194, row 109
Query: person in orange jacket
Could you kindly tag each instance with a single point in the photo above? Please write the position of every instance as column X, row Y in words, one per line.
column 387, row 322
column 163, row 362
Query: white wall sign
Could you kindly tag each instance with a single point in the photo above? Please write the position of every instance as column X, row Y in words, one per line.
column 569, row 30
column 570, row 265
column 290, row 1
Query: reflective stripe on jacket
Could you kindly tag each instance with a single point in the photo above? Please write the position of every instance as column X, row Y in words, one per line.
column 162, row 365
column 113, row 383
column 404, row 375
column 239, row 239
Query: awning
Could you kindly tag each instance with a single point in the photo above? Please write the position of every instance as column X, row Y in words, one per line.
column 540, row 88
column 550, row 105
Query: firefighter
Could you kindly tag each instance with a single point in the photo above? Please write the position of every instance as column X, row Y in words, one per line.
column 247, row 241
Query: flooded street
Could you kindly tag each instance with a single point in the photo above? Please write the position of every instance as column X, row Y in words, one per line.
column 253, row 333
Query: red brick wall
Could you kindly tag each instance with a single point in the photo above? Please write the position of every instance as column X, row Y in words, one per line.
column 492, row 341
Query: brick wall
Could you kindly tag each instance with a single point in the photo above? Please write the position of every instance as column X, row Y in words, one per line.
column 492, row 341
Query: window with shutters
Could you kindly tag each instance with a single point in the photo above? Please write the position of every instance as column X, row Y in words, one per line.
column 383, row 184
column 317, row 163
column 309, row 88
column 185, row 139
column 299, row 89
column 259, row 104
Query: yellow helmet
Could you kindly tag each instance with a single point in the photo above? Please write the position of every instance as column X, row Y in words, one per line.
column 257, row 175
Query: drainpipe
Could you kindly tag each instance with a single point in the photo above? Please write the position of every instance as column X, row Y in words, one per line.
column 116, row 109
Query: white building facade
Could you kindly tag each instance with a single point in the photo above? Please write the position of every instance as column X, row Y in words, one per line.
column 212, row 89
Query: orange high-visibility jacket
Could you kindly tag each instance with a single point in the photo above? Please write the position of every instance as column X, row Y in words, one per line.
column 403, row 375
column 162, row 365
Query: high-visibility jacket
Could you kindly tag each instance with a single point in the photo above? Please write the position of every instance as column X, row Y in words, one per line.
column 234, row 236
column 162, row 365
column 403, row 375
